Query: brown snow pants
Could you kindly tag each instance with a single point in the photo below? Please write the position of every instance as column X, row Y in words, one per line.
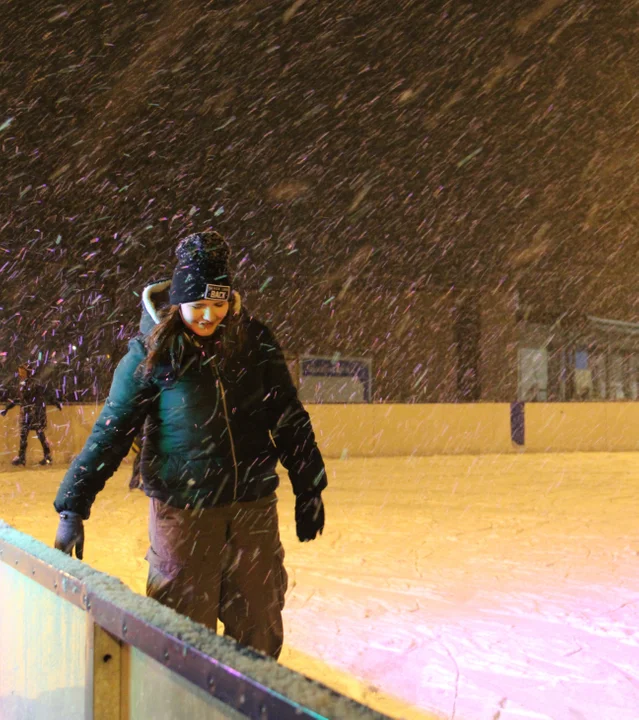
column 223, row 563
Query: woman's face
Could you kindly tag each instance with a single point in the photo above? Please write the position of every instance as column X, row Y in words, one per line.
column 203, row 316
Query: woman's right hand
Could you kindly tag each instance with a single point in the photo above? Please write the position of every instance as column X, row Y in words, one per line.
column 70, row 534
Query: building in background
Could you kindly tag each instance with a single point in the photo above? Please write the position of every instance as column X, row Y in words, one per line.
column 597, row 360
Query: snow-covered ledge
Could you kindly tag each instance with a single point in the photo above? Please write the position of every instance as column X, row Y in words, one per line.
column 78, row 643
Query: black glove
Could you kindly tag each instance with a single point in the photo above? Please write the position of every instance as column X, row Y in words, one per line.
column 70, row 534
column 309, row 515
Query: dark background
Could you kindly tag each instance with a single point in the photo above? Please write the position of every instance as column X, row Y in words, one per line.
column 382, row 170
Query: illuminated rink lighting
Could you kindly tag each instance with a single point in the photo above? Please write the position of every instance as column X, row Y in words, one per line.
column 473, row 587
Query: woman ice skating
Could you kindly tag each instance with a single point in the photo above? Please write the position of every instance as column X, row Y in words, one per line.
column 32, row 398
column 212, row 389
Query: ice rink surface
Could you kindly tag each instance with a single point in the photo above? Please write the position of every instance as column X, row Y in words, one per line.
column 474, row 588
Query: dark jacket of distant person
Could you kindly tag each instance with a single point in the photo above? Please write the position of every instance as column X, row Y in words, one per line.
column 32, row 397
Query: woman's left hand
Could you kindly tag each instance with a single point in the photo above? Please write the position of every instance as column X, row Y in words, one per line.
column 309, row 515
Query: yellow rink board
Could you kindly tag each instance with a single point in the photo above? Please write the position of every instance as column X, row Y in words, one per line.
column 388, row 430
column 582, row 427
column 402, row 430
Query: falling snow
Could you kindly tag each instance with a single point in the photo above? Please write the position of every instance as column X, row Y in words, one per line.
column 406, row 150
column 409, row 182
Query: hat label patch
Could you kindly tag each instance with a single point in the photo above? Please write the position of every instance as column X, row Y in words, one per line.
column 217, row 292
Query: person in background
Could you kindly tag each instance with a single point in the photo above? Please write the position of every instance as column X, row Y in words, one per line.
column 210, row 385
column 32, row 397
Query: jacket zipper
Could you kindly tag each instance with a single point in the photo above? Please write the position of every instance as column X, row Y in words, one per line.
column 228, row 427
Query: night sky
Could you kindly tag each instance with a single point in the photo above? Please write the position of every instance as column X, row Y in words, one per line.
column 352, row 152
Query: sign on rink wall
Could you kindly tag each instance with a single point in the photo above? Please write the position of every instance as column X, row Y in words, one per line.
column 335, row 379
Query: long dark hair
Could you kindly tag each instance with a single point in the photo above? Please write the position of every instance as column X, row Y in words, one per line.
column 165, row 337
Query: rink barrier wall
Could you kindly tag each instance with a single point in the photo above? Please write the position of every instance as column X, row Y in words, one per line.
column 381, row 430
column 475, row 429
column 78, row 644
column 582, row 427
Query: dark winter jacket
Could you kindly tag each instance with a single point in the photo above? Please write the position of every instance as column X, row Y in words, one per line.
column 214, row 428
column 32, row 397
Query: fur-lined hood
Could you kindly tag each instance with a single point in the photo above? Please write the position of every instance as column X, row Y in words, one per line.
column 156, row 297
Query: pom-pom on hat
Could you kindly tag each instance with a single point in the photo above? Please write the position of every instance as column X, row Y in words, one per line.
column 202, row 272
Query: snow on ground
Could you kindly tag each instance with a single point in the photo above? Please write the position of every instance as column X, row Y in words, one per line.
column 467, row 588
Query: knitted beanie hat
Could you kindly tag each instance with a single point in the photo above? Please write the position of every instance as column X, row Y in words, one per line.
column 202, row 272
